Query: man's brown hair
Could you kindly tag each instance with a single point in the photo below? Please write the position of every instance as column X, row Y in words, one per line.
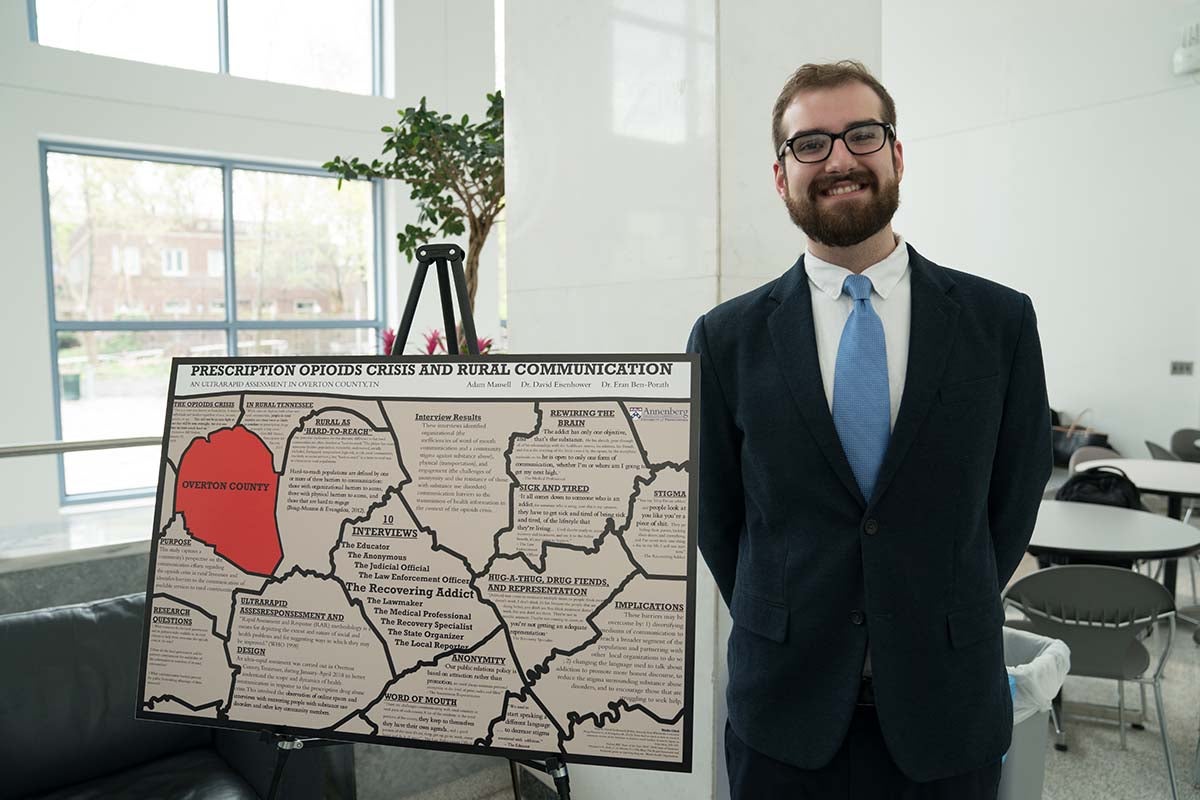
column 827, row 76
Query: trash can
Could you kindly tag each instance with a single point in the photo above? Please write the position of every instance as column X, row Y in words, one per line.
column 1037, row 667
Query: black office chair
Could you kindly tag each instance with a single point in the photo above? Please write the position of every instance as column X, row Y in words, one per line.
column 1183, row 444
column 1157, row 451
column 1089, row 453
column 1102, row 613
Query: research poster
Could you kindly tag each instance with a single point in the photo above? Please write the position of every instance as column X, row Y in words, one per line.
column 491, row 554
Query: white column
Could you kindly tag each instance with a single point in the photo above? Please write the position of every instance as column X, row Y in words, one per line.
column 612, row 225
column 444, row 52
column 611, row 173
column 761, row 43
column 640, row 194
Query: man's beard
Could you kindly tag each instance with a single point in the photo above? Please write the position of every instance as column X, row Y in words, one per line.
column 846, row 223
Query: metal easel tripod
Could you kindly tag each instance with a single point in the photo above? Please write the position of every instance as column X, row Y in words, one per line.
column 285, row 744
column 555, row 767
column 448, row 258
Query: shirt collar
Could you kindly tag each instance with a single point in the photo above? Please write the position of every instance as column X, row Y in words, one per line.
column 884, row 274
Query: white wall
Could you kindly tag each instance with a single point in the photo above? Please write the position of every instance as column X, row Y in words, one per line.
column 761, row 43
column 1049, row 147
column 445, row 52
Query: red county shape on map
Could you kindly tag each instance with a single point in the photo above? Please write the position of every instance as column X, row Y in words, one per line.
column 226, row 492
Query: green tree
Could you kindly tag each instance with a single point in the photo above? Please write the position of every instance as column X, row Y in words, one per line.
column 455, row 171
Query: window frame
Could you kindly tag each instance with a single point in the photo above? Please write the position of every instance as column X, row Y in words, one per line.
column 230, row 325
column 223, row 44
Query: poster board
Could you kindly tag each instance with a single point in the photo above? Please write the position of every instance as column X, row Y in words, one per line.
column 483, row 555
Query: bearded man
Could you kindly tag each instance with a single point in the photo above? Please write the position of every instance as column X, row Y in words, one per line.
column 874, row 443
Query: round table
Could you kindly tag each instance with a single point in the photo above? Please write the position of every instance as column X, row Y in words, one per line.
column 1175, row 479
column 1108, row 532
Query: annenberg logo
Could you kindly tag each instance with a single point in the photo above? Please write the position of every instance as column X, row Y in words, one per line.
column 658, row 414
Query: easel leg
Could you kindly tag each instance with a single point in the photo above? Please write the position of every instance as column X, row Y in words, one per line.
column 284, row 745
column 562, row 782
column 281, row 757
column 447, row 307
column 556, row 768
column 516, row 779
column 464, row 307
column 410, row 308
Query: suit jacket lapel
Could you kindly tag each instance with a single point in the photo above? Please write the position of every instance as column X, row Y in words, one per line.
column 795, row 346
column 931, row 335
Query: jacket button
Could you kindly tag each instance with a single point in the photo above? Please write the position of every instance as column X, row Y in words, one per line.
column 871, row 527
column 856, row 617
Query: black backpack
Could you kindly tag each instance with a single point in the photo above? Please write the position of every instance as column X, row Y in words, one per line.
column 1107, row 486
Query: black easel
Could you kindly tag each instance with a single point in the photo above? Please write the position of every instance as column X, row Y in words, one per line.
column 447, row 257
column 554, row 766
column 285, row 745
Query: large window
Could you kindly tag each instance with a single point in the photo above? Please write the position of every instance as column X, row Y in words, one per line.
column 152, row 258
column 305, row 42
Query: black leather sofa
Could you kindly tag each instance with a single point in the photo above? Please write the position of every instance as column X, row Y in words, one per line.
column 68, row 690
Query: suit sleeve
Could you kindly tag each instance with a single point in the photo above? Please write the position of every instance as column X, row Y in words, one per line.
column 1023, row 459
column 722, row 512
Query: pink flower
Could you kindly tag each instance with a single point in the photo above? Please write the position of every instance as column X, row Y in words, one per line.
column 434, row 342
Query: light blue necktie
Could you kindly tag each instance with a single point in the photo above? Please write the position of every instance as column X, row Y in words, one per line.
column 861, row 401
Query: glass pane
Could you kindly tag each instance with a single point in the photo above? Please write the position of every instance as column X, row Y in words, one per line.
column 306, row 42
column 309, row 342
column 302, row 249
column 179, row 33
column 135, row 240
column 113, row 384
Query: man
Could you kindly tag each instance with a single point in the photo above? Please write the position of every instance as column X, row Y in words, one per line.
column 874, row 442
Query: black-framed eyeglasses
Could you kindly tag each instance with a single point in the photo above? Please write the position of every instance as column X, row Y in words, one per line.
column 861, row 140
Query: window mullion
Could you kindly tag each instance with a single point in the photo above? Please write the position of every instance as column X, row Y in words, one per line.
column 376, row 47
column 31, row 5
column 379, row 248
column 230, row 272
column 52, row 305
column 223, row 35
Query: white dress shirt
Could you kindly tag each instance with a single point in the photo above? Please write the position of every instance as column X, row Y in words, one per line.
column 891, row 297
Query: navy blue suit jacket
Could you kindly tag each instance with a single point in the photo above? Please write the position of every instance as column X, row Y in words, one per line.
column 811, row 569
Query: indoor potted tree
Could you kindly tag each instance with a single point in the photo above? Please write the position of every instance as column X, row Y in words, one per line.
column 455, row 170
